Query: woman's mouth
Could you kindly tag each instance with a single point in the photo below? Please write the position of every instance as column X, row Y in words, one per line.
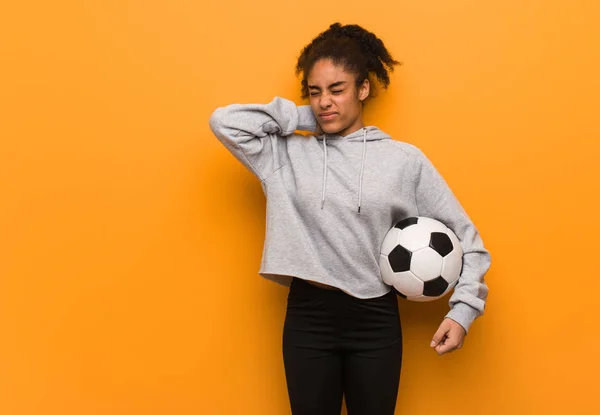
column 327, row 115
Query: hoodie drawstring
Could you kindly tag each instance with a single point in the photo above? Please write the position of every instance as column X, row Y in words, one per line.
column 324, row 170
column 362, row 168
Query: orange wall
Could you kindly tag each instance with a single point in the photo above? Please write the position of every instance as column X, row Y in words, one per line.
column 130, row 239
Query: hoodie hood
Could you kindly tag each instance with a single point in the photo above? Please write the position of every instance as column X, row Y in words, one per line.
column 369, row 133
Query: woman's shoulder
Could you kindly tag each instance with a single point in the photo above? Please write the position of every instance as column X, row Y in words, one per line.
column 409, row 149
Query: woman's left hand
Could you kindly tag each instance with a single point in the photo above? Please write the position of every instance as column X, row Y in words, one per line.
column 448, row 337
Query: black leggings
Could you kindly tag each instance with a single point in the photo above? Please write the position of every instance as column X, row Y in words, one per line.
column 337, row 345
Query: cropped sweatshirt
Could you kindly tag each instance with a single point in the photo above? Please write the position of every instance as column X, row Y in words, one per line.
column 330, row 201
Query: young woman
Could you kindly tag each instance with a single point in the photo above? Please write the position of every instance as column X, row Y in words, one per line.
column 331, row 198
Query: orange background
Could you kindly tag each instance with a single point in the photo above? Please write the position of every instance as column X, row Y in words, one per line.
column 130, row 239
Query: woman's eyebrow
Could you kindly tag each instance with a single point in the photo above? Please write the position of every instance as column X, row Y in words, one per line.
column 333, row 85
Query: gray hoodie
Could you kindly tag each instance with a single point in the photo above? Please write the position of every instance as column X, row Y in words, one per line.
column 331, row 201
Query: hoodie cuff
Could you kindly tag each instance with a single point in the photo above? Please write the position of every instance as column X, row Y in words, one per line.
column 306, row 119
column 463, row 314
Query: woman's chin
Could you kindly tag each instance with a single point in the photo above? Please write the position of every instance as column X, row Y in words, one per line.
column 331, row 128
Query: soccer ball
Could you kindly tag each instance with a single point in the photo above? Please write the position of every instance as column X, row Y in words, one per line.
column 421, row 258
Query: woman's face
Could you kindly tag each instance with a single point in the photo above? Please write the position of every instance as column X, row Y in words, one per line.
column 334, row 98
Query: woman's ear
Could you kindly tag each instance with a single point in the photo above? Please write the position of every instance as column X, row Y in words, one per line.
column 364, row 89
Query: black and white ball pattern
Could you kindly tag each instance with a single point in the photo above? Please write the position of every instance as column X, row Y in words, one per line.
column 421, row 258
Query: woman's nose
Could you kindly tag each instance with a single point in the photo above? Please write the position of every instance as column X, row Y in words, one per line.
column 325, row 102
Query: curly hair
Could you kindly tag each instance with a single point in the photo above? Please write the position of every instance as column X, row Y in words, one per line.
column 356, row 49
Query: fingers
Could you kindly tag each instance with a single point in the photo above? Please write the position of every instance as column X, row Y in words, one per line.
column 439, row 335
column 446, row 339
column 446, row 347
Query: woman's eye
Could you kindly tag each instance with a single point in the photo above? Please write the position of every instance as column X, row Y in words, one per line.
column 338, row 91
column 314, row 93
